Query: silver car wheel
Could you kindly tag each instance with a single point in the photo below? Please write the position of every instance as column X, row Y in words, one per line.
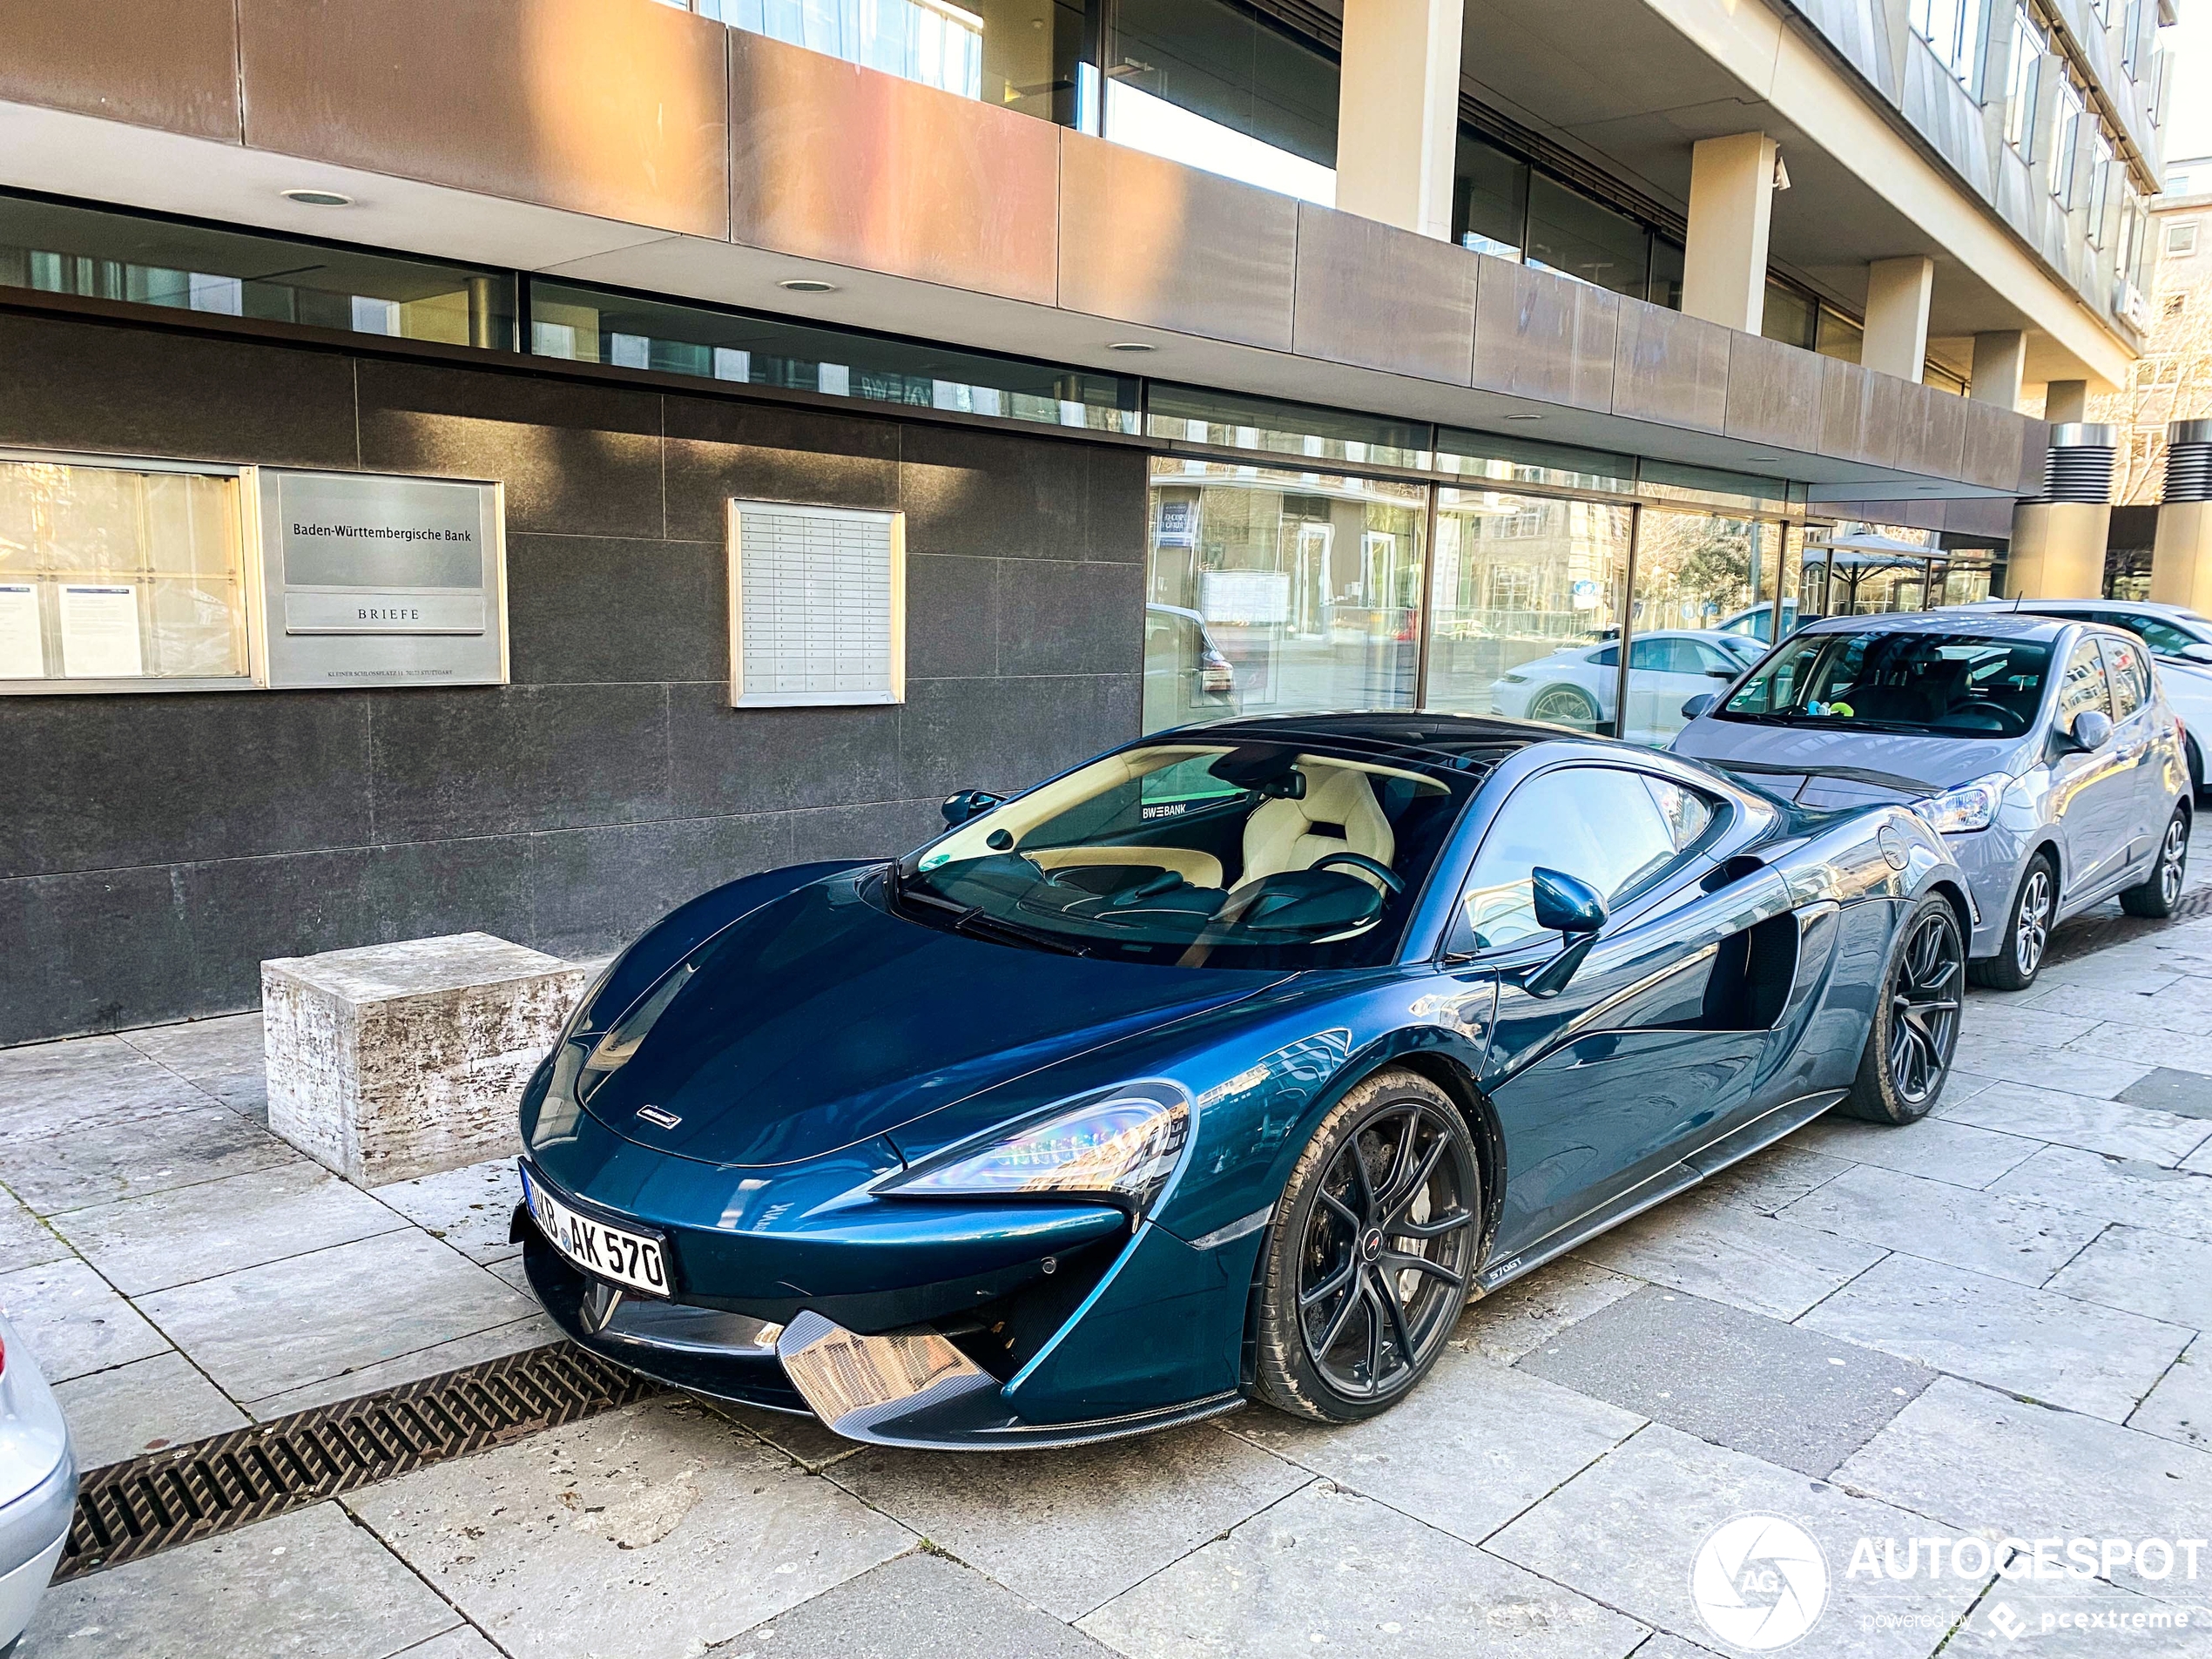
column 2033, row 930
column 2172, row 859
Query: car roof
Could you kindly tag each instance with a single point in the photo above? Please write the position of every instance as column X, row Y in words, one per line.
column 1996, row 624
column 2137, row 607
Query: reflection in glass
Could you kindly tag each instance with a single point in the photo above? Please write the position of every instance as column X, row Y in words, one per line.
column 1306, row 587
column 1872, row 571
column 1526, row 607
column 59, row 249
column 1489, row 198
column 1234, row 420
column 1838, row 336
column 1788, row 316
column 1665, row 272
column 588, row 326
column 1571, row 234
column 1695, row 611
column 1214, row 87
column 1518, row 461
column 109, row 572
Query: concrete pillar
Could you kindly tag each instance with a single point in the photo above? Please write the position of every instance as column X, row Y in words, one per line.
column 1998, row 358
column 2058, row 542
column 2181, row 558
column 2058, row 550
column 2066, row 402
column 1897, row 292
column 1731, row 201
column 1397, row 113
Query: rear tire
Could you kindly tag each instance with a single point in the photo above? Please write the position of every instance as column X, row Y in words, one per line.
column 2027, row 936
column 1371, row 1252
column 1915, row 1029
column 1565, row 705
column 2158, row 893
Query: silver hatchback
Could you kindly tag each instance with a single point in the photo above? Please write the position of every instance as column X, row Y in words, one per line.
column 2042, row 748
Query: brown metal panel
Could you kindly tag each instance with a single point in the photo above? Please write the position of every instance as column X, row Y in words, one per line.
column 1669, row 367
column 2035, row 445
column 1151, row 241
column 1372, row 294
column 1994, row 436
column 852, row 165
column 1861, row 413
column 1934, row 439
column 1537, row 335
column 171, row 64
column 1773, row 392
column 617, row 108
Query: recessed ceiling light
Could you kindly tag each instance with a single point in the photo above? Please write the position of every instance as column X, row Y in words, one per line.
column 807, row 285
column 1524, row 417
column 1128, row 344
column 1775, row 459
column 319, row 198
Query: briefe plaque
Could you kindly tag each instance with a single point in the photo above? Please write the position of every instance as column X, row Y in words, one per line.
column 375, row 580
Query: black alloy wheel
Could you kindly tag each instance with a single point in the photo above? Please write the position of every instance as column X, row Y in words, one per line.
column 1915, row 1029
column 2159, row 893
column 1381, row 1222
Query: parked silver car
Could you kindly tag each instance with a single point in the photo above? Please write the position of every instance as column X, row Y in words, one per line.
column 37, row 1485
column 2043, row 750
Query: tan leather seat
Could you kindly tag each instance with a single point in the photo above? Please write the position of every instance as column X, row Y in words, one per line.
column 1338, row 815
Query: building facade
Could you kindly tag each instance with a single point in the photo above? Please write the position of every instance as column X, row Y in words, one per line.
column 513, row 464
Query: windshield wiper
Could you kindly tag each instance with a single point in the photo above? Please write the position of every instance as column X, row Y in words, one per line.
column 979, row 923
column 1831, row 723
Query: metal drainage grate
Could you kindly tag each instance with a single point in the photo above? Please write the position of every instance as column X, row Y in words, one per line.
column 215, row 1486
column 2099, row 931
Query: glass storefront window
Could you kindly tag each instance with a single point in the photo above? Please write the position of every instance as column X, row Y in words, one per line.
column 1788, row 316
column 584, row 325
column 119, row 573
column 56, row 248
column 1526, row 607
column 1233, row 421
column 1214, row 87
column 1665, row 272
column 1489, row 198
column 1837, row 335
column 1576, row 237
column 1696, row 614
column 1275, row 591
column 1669, row 481
column 1514, row 461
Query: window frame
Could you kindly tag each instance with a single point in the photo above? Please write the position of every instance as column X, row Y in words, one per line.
column 2021, row 74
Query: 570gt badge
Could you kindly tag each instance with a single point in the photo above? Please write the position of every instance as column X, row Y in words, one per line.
column 654, row 1115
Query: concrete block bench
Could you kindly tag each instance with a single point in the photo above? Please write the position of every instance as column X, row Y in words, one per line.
column 397, row 1061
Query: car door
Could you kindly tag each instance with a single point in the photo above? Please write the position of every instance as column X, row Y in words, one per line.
column 1598, row 1086
column 2093, row 792
column 2135, row 734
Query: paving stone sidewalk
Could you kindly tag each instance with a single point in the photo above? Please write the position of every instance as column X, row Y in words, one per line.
column 1990, row 1323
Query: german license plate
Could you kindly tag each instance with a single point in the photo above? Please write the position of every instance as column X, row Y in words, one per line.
column 629, row 1259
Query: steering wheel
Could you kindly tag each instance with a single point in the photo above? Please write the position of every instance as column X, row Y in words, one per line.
column 1375, row 867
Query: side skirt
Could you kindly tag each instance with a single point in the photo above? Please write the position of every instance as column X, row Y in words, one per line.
column 1675, row 1179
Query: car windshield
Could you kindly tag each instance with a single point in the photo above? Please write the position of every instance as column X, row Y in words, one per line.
column 1952, row 684
column 1264, row 854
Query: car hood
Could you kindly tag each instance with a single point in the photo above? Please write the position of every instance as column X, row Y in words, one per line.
column 1831, row 769
column 821, row 1020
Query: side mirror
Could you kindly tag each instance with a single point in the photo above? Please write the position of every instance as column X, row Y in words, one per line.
column 2091, row 730
column 1572, row 909
column 1720, row 674
column 2199, row 652
column 969, row 803
column 1699, row 704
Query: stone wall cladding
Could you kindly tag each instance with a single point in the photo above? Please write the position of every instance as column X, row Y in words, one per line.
column 157, row 848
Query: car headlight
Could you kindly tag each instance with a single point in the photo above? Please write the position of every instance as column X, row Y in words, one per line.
column 1123, row 1142
column 1970, row 806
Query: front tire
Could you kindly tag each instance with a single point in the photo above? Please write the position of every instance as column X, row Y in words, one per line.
column 2020, row 958
column 1915, row 1028
column 2158, row 893
column 1371, row 1252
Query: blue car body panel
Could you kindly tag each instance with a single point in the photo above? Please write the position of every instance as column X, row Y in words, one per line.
column 829, row 1043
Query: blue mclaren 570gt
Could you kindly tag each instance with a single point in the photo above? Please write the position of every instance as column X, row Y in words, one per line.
column 1229, row 1065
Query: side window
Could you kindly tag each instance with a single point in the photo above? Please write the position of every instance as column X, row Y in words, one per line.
column 2130, row 675
column 1711, row 659
column 1609, row 657
column 1603, row 824
column 2082, row 687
